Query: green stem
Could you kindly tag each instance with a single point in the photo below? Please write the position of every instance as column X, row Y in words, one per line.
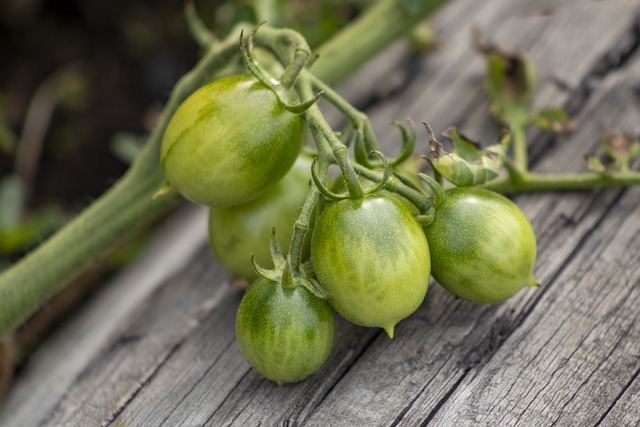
column 368, row 35
column 303, row 223
column 520, row 154
column 293, row 70
column 422, row 201
column 358, row 119
column 563, row 182
column 198, row 30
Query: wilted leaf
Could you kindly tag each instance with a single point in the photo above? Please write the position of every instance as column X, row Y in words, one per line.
column 553, row 119
column 468, row 164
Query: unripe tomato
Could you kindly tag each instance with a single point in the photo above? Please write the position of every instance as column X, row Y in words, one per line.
column 239, row 231
column 372, row 258
column 483, row 248
column 284, row 332
column 229, row 141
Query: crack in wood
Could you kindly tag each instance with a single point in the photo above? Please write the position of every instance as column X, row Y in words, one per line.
column 142, row 385
column 627, row 386
column 444, row 399
column 292, row 418
column 197, row 382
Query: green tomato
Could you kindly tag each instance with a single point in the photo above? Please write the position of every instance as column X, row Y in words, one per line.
column 229, row 141
column 284, row 332
column 483, row 248
column 372, row 258
column 237, row 232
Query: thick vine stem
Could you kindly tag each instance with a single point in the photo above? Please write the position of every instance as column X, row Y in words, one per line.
column 383, row 23
column 563, row 182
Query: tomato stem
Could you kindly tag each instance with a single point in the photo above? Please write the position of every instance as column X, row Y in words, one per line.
column 519, row 141
column 563, row 182
column 323, row 134
column 295, row 67
column 358, row 119
column 421, row 200
column 377, row 28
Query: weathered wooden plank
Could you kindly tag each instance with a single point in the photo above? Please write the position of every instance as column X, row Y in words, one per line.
column 570, row 371
column 624, row 412
column 74, row 347
column 364, row 394
column 175, row 362
column 580, row 348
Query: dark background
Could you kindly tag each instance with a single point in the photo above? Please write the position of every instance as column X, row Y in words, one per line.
column 121, row 58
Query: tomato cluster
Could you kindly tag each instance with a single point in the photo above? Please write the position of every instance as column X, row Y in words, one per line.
column 232, row 145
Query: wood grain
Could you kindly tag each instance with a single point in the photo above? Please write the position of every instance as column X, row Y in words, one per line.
column 567, row 353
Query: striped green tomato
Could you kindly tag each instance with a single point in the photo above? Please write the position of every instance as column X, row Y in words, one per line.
column 229, row 141
column 483, row 248
column 372, row 258
column 284, row 332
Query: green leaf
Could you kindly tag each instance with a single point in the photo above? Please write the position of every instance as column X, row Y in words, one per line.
column 510, row 81
column 594, row 164
column 620, row 147
column 553, row 119
column 29, row 232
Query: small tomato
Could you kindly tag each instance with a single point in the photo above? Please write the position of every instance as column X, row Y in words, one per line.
column 229, row 141
column 483, row 248
column 372, row 258
column 284, row 332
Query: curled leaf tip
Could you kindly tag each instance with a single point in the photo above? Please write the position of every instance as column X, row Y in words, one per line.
column 304, row 106
column 385, row 177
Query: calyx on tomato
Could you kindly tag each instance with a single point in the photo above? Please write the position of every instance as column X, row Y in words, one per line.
column 229, row 141
column 483, row 248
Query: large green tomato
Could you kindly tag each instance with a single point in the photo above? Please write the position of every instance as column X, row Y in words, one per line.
column 284, row 332
column 483, row 248
column 237, row 232
column 372, row 258
column 229, row 141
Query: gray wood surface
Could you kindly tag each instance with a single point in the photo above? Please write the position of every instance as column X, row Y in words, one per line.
column 157, row 346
